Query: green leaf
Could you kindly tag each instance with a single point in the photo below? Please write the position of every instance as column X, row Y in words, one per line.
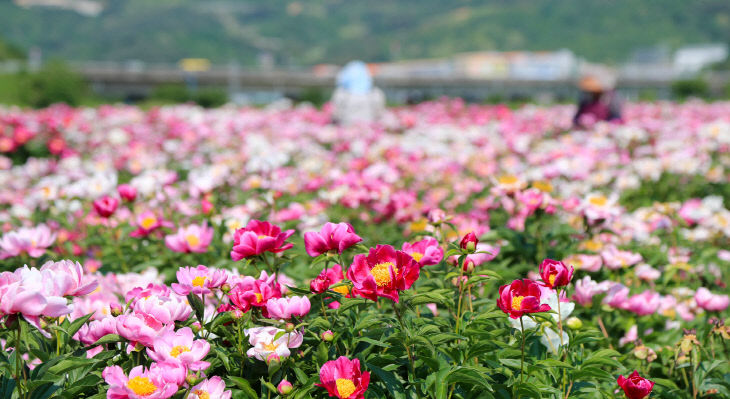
column 109, row 339
column 197, row 304
column 244, row 386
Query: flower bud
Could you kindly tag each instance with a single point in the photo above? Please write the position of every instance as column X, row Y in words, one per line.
column 192, row 379
column 285, row 387
column 196, row 327
column 226, row 288
column 138, row 347
column 574, row 323
column 436, row 216
column 328, row 336
column 115, row 309
column 289, row 327
column 273, row 359
column 469, row 242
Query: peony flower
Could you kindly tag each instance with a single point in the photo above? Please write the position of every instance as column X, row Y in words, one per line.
column 285, row 387
column 383, row 272
column 285, row 308
column 483, row 254
column 147, row 222
column 555, row 273
column 127, row 192
column 105, row 206
column 192, row 238
column 586, row 289
column 33, row 293
column 469, row 241
column 709, row 301
column 249, row 292
column 333, row 237
column 520, row 297
column 165, row 310
column 212, row 388
column 343, row 379
column 259, row 237
column 158, row 382
column 635, row 387
column 644, row 304
column 151, row 289
column 31, row 240
column 69, row 277
column 180, row 347
column 614, row 258
column 139, row 328
column 264, row 342
column 426, row 252
column 326, row 278
column 199, row 280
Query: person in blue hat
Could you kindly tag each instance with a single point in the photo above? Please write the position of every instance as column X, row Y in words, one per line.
column 355, row 99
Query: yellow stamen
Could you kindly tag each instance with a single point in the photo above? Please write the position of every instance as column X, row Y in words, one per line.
column 177, row 350
column 343, row 289
column 259, row 297
column 201, row 394
column 199, row 281
column 598, row 201
column 417, row 256
column 192, row 240
column 148, row 222
column 271, row 347
column 381, row 273
column 507, row 179
column 141, row 386
column 551, row 279
column 517, row 302
column 345, row 387
column 262, row 236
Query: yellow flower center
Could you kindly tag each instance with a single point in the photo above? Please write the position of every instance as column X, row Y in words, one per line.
column 177, row 350
column 517, row 302
column 417, row 256
column 543, row 186
column 551, row 279
column 598, row 201
column 141, row 386
column 271, row 347
column 381, row 273
column 148, row 222
column 345, row 387
column 199, row 281
column 259, row 297
column 262, row 236
column 192, row 240
column 507, row 179
column 201, row 394
column 343, row 289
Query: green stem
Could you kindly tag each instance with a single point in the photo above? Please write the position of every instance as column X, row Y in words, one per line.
column 406, row 344
column 18, row 361
column 522, row 348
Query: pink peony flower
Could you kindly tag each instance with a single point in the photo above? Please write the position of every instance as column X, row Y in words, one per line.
column 644, row 304
column 139, row 328
column 180, row 347
column 211, row 388
column 69, row 277
column 159, row 382
column 127, row 192
column 138, row 293
column 192, row 238
column 709, row 301
column 147, row 222
column 383, row 272
column 165, row 310
column 333, row 237
column 259, row 237
column 285, row 308
column 426, row 252
column 199, row 280
column 614, row 258
column 343, row 379
column 31, row 240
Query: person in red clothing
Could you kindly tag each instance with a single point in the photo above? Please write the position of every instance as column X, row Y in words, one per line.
column 598, row 102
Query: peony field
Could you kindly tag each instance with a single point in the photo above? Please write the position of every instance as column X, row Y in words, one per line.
column 448, row 251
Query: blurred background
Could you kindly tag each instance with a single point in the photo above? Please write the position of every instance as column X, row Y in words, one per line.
column 86, row 52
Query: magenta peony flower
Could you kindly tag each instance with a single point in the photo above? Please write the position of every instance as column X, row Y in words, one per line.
column 127, row 192
column 259, row 237
column 105, row 206
column 382, row 272
column 426, row 252
column 333, row 237
column 343, row 379
column 147, row 222
column 555, row 273
column 520, row 297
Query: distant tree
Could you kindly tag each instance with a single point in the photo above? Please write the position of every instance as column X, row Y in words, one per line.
column 10, row 52
column 54, row 83
column 696, row 87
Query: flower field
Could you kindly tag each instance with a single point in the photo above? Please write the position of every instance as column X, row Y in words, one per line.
column 448, row 251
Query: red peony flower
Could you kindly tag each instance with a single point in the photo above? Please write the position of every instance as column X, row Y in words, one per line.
column 469, row 242
column 342, row 378
column 635, row 387
column 259, row 237
column 383, row 272
column 555, row 273
column 520, row 297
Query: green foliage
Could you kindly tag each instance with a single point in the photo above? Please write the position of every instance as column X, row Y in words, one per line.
column 337, row 31
column 696, row 87
column 177, row 93
column 54, row 83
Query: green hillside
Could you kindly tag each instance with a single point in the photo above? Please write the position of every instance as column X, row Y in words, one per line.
column 306, row 32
